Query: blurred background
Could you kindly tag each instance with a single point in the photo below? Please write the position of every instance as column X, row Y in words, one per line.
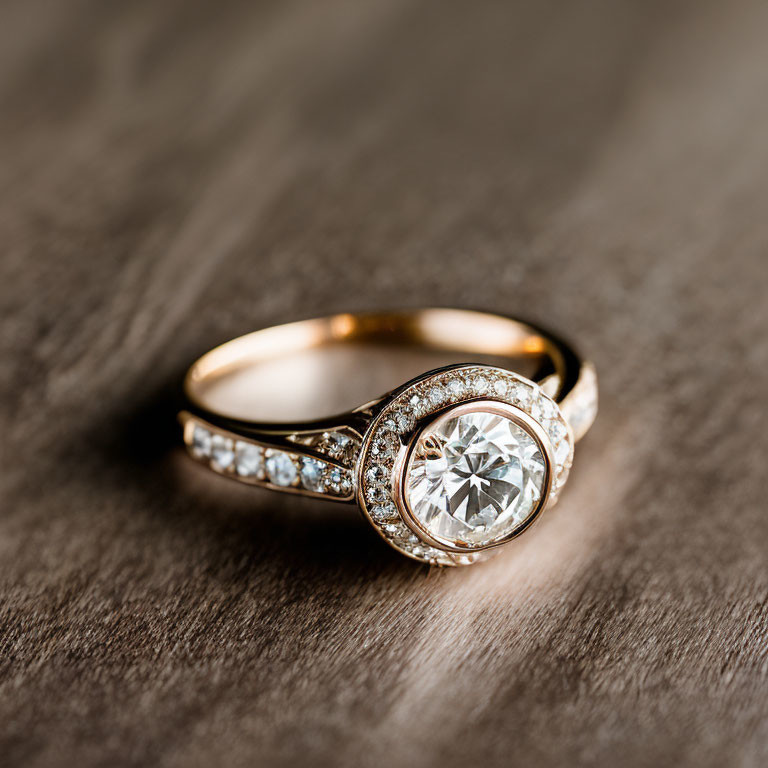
column 173, row 174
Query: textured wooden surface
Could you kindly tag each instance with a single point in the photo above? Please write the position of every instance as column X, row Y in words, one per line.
column 176, row 173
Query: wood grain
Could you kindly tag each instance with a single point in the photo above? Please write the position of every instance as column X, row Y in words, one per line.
column 175, row 173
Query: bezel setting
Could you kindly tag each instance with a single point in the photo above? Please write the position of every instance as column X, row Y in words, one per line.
column 404, row 465
column 394, row 433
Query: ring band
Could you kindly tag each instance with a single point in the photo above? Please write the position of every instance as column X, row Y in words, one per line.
column 447, row 466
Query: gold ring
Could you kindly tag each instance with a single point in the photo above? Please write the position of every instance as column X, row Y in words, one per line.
column 447, row 467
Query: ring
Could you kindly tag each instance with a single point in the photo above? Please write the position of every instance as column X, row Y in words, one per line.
column 447, row 467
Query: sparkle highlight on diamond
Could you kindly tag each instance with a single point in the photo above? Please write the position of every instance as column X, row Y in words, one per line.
column 474, row 478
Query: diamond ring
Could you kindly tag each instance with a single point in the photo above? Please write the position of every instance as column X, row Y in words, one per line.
column 447, row 467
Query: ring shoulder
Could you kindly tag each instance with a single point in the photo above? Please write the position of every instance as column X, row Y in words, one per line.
column 579, row 407
column 317, row 461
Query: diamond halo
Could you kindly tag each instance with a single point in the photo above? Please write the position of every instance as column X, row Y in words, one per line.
column 381, row 473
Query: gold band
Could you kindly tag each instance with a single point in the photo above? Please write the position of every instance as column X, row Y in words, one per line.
column 321, row 456
column 558, row 368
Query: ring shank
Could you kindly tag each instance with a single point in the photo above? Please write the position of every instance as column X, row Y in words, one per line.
column 557, row 368
column 459, row 331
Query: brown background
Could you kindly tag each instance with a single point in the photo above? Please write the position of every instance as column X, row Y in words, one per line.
column 175, row 173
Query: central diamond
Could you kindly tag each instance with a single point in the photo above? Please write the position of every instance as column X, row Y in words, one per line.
column 475, row 477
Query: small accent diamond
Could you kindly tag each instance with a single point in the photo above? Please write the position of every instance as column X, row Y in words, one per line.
column 338, row 446
column 383, row 512
column 437, row 395
column 201, row 442
column 222, row 452
column 562, row 451
column 455, row 388
column 249, row 459
column 544, row 409
column 377, row 474
column 418, row 406
column 500, row 387
column 557, row 432
column 311, row 473
column 405, row 421
column 385, row 446
column 281, row 470
column 377, row 494
column 389, row 425
column 521, row 394
column 339, row 481
column 396, row 530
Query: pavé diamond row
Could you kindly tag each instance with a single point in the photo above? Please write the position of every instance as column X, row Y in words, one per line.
column 264, row 465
